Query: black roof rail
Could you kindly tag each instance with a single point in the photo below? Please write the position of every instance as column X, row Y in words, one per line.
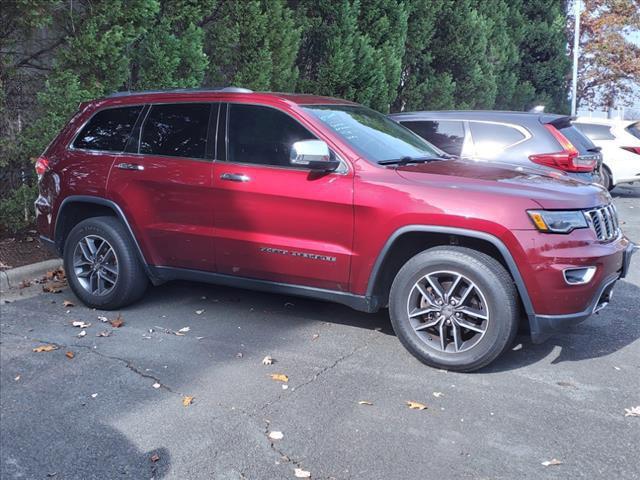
column 182, row 90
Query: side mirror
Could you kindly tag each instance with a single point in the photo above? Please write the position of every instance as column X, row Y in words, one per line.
column 312, row 154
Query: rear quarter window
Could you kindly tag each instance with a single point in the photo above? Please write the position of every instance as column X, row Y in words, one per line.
column 108, row 130
column 489, row 139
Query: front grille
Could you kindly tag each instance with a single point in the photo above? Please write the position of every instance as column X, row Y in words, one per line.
column 604, row 222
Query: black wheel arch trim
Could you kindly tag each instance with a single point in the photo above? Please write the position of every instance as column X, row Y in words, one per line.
column 495, row 241
column 119, row 213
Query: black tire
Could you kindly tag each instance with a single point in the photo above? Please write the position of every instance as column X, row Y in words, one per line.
column 607, row 181
column 131, row 281
column 493, row 285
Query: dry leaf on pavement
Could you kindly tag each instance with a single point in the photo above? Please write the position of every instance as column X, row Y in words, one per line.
column 80, row 324
column 69, row 355
column 300, row 473
column 187, row 400
column 155, row 457
column 68, row 303
column 45, row 348
column 25, row 284
column 17, row 378
column 82, row 333
column 553, row 461
column 632, row 412
column 275, row 435
column 268, row 360
column 416, row 405
column 279, row 377
column 117, row 322
column 183, row 330
column 104, row 333
column 156, row 385
column 103, row 319
column 199, row 312
column 315, row 336
column 438, row 394
column 365, row 402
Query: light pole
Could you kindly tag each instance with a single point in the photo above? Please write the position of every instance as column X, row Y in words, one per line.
column 576, row 48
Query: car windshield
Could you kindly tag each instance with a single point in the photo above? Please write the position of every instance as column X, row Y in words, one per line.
column 373, row 135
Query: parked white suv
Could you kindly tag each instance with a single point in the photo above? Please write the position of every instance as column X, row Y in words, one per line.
column 620, row 144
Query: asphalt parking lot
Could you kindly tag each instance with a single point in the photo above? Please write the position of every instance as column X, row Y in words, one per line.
column 116, row 409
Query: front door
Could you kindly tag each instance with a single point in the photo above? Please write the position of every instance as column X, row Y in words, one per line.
column 164, row 186
column 274, row 221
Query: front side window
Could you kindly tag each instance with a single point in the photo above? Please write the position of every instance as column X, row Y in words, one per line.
column 447, row 135
column 372, row 134
column 262, row 135
column 490, row 139
column 108, row 130
column 176, row 130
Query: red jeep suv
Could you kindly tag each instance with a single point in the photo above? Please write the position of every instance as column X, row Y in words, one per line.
column 327, row 199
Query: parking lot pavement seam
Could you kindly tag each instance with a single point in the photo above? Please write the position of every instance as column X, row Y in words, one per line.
column 89, row 349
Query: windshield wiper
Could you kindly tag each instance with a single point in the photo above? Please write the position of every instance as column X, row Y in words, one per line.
column 408, row 160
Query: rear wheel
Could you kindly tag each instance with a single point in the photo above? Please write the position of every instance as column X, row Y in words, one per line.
column 607, row 181
column 454, row 308
column 101, row 264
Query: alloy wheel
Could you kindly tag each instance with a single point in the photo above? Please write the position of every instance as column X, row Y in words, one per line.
column 95, row 265
column 448, row 311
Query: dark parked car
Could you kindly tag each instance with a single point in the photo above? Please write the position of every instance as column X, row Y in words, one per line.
column 323, row 198
column 523, row 138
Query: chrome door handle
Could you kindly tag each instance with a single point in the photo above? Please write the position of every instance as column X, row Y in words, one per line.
column 130, row 166
column 234, row 177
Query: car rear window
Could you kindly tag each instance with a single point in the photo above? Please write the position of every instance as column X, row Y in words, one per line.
column 448, row 135
column 108, row 130
column 634, row 129
column 595, row 131
column 177, row 130
column 577, row 139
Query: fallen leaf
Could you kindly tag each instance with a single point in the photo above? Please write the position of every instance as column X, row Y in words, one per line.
column 365, row 402
column 25, row 284
column 315, row 336
column 438, row 394
column 82, row 333
column 267, row 360
column 285, row 386
column 117, row 322
column 103, row 319
column 104, row 333
column 275, row 435
column 17, row 378
column 45, row 348
column 155, row 457
column 184, row 330
column 632, row 412
column 156, row 385
column 80, row 324
column 566, row 384
column 199, row 312
column 553, row 461
column 239, row 355
column 94, row 395
column 54, row 287
column 68, row 303
column 300, row 473
column 69, row 355
column 279, row 377
column 416, row 405
column 186, row 401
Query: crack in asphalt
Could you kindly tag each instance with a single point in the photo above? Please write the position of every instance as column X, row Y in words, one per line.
column 126, row 362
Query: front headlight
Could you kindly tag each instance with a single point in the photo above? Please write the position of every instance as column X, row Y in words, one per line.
column 557, row 221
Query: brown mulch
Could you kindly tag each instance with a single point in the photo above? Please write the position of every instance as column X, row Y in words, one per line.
column 21, row 249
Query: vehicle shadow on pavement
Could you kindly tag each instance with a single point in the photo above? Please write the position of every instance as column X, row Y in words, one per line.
column 602, row 334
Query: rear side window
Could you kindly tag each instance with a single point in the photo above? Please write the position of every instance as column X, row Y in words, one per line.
column 595, row 132
column 578, row 139
column 448, row 135
column 634, row 129
column 177, row 130
column 262, row 135
column 108, row 130
column 492, row 138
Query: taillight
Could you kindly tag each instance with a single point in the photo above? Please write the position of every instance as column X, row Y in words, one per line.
column 42, row 165
column 635, row 150
column 568, row 159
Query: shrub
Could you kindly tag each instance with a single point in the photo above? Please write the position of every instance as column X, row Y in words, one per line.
column 16, row 210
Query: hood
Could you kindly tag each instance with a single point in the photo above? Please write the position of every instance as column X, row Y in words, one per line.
column 551, row 190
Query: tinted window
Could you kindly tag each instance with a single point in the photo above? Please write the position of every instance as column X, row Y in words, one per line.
column 108, row 129
column 372, row 134
column 177, row 130
column 262, row 135
column 595, row 132
column 634, row 129
column 490, row 139
column 448, row 135
column 577, row 139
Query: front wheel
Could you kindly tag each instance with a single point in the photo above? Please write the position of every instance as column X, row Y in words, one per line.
column 454, row 308
column 101, row 264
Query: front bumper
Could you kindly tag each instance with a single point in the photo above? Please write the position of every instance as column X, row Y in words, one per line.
column 543, row 326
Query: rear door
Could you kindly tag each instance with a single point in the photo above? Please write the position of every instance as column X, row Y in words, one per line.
column 275, row 221
column 163, row 183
